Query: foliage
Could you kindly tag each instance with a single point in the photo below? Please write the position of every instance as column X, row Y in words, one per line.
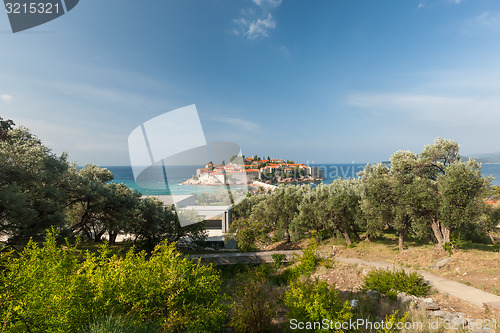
column 278, row 259
column 244, row 208
column 393, row 321
column 305, row 266
column 119, row 324
column 153, row 223
column 309, row 260
column 252, row 308
column 434, row 192
column 314, row 301
column 462, row 188
column 98, row 206
column 47, row 289
column 448, row 247
column 332, row 207
column 247, row 233
column 376, row 198
column 391, row 282
column 32, row 184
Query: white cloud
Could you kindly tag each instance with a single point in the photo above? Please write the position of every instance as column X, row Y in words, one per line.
column 256, row 24
column 439, row 110
column 488, row 21
column 244, row 124
column 484, row 23
column 6, row 97
column 259, row 28
column 271, row 3
column 285, row 50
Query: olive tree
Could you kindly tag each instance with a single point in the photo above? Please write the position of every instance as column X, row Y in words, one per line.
column 32, row 184
column 376, row 199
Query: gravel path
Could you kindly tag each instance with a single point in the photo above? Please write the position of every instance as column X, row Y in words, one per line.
column 469, row 294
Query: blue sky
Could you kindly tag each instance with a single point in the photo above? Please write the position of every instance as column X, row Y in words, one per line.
column 314, row 81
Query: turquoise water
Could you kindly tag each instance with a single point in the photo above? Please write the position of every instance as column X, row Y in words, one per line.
column 123, row 174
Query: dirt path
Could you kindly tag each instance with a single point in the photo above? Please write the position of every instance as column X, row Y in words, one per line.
column 466, row 293
column 470, row 295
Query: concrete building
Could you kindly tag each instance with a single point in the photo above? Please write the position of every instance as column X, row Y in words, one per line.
column 217, row 218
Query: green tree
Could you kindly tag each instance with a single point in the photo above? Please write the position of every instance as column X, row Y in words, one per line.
column 153, row 222
column 457, row 186
column 461, row 189
column 313, row 214
column 119, row 209
column 343, row 207
column 88, row 200
column 403, row 164
column 376, row 199
column 32, row 184
column 5, row 127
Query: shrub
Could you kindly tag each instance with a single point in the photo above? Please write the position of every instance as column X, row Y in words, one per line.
column 307, row 264
column 393, row 321
column 278, row 259
column 448, row 247
column 118, row 324
column 41, row 291
column 253, row 307
column 314, row 301
column 391, row 282
column 309, row 259
column 47, row 289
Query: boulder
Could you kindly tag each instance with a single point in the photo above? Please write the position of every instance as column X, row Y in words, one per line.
column 429, row 306
column 457, row 318
column 373, row 293
column 441, row 263
column 405, row 300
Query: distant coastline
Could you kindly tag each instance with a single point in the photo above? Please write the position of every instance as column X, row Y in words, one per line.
column 331, row 171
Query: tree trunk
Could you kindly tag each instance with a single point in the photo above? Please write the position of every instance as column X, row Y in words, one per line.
column 436, row 228
column 112, row 237
column 368, row 237
column 446, row 234
column 401, row 241
column 347, row 237
column 355, row 233
column 491, row 237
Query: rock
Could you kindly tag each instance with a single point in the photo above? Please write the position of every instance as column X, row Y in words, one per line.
column 456, row 318
column 429, row 306
column 354, row 303
column 373, row 293
column 441, row 263
column 404, row 299
column 208, row 249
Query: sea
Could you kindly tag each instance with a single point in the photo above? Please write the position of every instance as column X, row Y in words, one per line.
column 176, row 175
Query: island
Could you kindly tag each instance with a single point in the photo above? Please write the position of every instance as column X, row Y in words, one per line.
column 244, row 171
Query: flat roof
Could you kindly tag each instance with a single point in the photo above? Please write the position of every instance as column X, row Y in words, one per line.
column 170, row 199
column 208, row 208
